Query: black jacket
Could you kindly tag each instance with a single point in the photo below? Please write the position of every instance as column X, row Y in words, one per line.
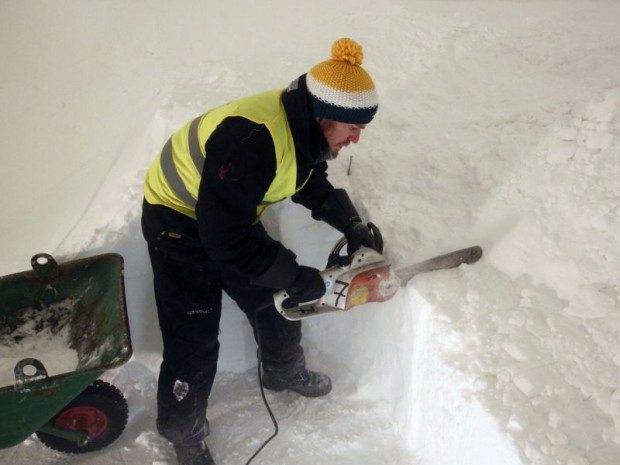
column 238, row 170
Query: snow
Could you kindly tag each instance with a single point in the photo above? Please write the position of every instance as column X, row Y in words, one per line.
column 34, row 337
column 499, row 125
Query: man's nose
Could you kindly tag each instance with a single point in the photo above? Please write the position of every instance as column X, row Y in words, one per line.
column 355, row 136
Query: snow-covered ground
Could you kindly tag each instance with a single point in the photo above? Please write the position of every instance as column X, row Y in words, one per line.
column 499, row 124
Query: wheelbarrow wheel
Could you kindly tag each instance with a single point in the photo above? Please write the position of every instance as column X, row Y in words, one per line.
column 100, row 410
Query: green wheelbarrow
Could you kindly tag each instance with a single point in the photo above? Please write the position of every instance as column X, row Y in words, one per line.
column 61, row 327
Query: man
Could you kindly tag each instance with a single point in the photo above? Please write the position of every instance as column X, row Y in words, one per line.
column 204, row 196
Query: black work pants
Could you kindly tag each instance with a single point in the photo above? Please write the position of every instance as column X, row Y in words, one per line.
column 188, row 291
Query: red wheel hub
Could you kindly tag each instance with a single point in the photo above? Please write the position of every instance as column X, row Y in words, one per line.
column 89, row 419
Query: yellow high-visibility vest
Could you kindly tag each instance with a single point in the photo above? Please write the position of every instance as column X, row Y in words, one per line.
column 174, row 177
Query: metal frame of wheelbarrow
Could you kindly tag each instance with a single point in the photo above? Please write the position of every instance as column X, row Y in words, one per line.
column 90, row 293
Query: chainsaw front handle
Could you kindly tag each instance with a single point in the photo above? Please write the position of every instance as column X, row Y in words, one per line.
column 335, row 259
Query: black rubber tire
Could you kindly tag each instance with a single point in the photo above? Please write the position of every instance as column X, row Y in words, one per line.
column 101, row 407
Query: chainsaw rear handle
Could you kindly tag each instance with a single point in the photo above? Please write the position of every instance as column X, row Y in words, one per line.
column 280, row 296
column 326, row 275
column 335, row 259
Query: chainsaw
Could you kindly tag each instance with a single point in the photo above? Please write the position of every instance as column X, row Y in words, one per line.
column 366, row 277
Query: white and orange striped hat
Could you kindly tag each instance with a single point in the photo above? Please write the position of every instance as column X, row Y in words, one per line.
column 340, row 89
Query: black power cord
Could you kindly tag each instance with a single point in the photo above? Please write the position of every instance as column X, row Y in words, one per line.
column 262, row 393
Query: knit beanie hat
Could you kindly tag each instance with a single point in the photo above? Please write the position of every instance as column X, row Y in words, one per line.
column 340, row 89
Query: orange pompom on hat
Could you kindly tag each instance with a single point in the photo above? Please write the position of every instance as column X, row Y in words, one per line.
column 340, row 89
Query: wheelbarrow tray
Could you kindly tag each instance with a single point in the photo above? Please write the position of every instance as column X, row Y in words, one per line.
column 82, row 300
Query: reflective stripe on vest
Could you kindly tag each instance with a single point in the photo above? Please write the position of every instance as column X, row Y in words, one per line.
column 169, row 169
column 174, row 179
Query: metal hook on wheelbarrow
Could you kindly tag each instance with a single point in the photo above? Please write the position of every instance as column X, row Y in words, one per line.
column 28, row 370
column 44, row 266
column 335, row 258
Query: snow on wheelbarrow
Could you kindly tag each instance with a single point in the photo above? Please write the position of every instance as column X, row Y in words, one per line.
column 61, row 327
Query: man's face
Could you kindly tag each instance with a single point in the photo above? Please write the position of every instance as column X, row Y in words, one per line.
column 339, row 134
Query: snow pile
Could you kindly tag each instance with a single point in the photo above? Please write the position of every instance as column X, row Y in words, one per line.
column 42, row 335
column 499, row 126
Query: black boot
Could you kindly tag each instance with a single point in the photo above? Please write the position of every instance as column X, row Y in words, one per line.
column 305, row 382
column 197, row 454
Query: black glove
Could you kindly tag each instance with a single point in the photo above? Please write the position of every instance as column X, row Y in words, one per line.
column 358, row 234
column 308, row 286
